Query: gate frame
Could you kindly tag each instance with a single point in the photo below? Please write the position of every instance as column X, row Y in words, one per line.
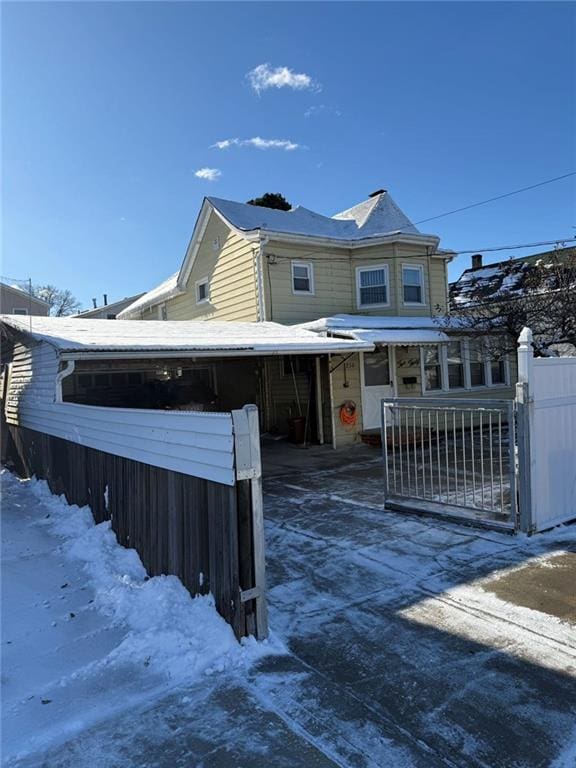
column 508, row 407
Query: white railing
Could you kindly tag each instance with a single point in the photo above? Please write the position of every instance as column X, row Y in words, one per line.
column 451, row 456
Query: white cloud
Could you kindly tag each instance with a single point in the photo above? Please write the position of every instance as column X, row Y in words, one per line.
column 259, row 143
column 264, row 76
column 210, row 174
column 320, row 109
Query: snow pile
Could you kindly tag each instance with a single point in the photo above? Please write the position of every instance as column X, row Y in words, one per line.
column 86, row 634
column 170, row 632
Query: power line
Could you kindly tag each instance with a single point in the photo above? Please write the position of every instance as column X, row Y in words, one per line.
column 564, row 242
column 498, row 197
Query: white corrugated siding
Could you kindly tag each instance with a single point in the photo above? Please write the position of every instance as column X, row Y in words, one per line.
column 198, row 444
column 32, row 379
column 553, row 441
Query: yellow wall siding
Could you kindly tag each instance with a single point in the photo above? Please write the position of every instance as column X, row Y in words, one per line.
column 285, row 392
column 346, row 386
column 335, row 281
column 231, row 274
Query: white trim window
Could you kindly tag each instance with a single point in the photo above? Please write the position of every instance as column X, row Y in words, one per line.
column 431, row 368
column 477, row 363
column 372, row 286
column 413, row 285
column 20, row 311
column 498, row 372
column 455, row 365
column 202, row 291
column 302, row 277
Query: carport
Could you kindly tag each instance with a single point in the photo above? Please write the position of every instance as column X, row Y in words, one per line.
column 197, row 366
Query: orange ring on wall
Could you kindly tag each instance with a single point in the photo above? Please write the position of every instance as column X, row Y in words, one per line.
column 348, row 415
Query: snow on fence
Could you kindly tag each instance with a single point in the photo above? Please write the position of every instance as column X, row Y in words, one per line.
column 546, row 395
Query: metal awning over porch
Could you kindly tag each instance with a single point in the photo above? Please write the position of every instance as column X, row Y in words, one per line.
column 402, row 331
column 402, row 337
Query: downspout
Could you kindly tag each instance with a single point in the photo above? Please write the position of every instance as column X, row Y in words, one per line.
column 68, row 369
column 429, row 276
column 260, row 279
column 319, row 408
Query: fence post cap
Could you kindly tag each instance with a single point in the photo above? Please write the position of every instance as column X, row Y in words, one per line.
column 525, row 337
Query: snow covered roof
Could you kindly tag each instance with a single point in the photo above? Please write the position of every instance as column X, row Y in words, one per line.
column 77, row 337
column 378, row 216
column 487, row 282
column 510, row 278
column 387, row 329
column 166, row 290
column 394, row 336
column 363, row 224
column 108, row 307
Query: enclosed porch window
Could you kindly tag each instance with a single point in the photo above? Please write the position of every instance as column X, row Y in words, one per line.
column 432, row 368
column 455, row 363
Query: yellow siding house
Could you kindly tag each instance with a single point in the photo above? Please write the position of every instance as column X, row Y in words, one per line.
column 366, row 273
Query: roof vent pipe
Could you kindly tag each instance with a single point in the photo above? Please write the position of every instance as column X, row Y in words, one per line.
column 95, row 304
column 105, row 295
column 477, row 261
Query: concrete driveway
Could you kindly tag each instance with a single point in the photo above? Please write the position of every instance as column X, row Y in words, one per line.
column 415, row 641
column 410, row 642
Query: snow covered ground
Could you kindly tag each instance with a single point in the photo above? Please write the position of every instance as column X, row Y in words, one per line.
column 86, row 634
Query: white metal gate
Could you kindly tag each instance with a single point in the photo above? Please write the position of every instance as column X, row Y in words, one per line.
column 454, row 457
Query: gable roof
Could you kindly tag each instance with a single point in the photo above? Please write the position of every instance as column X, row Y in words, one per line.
column 157, row 295
column 77, row 337
column 510, row 278
column 127, row 300
column 25, row 295
column 374, row 220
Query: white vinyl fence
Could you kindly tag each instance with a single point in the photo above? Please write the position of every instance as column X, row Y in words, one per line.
column 546, row 395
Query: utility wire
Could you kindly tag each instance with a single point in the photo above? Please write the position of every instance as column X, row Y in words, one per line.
column 564, row 242
column 498, row 197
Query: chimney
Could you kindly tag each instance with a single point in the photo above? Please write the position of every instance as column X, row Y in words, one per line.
column 95, row 304
column 477, row 261
column 378, row 192
column 106, row 295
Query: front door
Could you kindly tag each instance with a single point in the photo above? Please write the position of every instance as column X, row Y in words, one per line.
column 376, row 385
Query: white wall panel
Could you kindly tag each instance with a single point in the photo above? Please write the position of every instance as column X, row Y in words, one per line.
column 198, row 444
column 553, row 441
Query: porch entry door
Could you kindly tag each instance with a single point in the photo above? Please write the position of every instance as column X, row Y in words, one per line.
column 376, row 385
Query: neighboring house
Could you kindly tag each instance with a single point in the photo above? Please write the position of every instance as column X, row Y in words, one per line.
column 299, row 267
column 518, row 291
column 108, row 311
column 15, row 301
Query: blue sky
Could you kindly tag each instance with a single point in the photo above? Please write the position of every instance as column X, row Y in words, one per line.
column 109, row 109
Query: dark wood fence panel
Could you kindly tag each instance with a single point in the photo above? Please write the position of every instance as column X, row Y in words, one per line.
column 193, row 528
